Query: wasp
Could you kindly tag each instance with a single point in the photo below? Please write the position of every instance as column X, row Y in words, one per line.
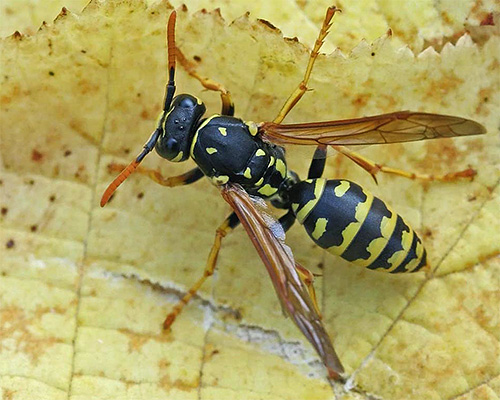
column 246, row 161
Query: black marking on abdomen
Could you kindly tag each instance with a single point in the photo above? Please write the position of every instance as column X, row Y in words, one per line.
column 370, row 229
column 393, row 245
column 339, row 211
column 411, row 255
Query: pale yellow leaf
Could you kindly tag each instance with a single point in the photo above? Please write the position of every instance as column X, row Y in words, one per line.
column 84, row 290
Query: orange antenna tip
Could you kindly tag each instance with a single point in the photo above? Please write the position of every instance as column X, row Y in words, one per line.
column 117, row 182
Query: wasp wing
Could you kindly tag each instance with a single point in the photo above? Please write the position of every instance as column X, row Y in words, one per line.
column 402, row 126
column 278, row 259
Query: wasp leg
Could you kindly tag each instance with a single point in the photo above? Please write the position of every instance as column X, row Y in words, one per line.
column 302, row 88
column 373, row 168
column 184, row 179
column 308, row 279
column 207, row 83
column 226, row 227
column 287, row 220
column 318, row 163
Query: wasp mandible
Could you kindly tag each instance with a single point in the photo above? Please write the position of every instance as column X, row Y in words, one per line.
column 246, row 161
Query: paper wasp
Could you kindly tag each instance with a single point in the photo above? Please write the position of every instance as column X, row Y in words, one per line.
column 247, row 162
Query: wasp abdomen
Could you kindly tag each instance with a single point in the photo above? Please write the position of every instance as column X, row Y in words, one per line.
column 347, row 220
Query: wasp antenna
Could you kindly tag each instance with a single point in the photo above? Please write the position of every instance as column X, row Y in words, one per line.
column 170, row 90
column 171, row 41
column 117, row 182
column 148, row 147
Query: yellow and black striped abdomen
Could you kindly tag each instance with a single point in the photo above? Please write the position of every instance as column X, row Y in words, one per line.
column 343, row 218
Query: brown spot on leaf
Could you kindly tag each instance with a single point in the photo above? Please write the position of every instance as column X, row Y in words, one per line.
column 10, row 244
column 15, row 327
column 36, row 155
column 137, row 340
column 361, row 100
column 167, row 384
column 87, row 87
column 8, row 394
column 5, row 210
column 163, row 363
column 488, row 20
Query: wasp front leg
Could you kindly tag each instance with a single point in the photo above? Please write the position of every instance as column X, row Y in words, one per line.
column 302, row 87
column 207, row 83
column 222, row 231
column 186, row 178
column 373, row 168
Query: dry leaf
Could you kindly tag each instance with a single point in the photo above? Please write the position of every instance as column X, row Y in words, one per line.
column 84, row 290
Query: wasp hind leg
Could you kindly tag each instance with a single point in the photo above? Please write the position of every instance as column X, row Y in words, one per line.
column 302, row 88
column 373, row 168
column 306, row 276
column 207, row 83
column 222, row 231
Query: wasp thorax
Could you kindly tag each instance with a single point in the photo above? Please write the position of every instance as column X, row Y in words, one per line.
column 178, row 127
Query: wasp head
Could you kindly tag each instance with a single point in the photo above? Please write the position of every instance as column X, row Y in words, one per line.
column 178, row 127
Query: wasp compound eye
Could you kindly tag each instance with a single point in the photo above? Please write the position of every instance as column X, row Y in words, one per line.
column 172, row 145
column 167, row 146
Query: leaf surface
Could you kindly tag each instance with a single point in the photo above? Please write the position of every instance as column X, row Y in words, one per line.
column 84, row 290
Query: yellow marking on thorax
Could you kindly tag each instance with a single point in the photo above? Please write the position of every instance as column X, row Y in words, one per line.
column 220, row 180
column 223, row 131
column 195, row 137
column 281, row 167
column 319, row 228
column 351, row 230
column 271, row 161
column 178, row 157
column 211, row 150
column 259, row 182
column 248, row 173
column 267, row 190
column 307, row 208
column 252, row 127
column 341, row 189
column 397, row 258
column 260, row 153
